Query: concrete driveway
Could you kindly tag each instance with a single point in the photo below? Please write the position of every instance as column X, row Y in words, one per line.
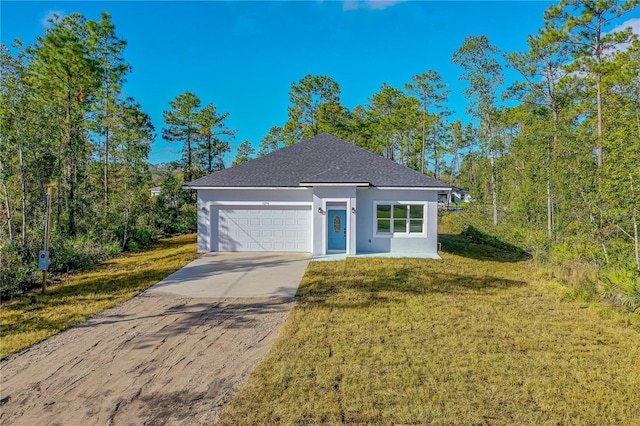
column 174, row 355
column 237, row 275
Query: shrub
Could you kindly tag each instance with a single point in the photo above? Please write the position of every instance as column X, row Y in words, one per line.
column 189, row 217
column 139, row 236
column 450, row 222
column 13, row 274
column 76, row 253
column 490, row 240
column 144, row 235
column 621, row 287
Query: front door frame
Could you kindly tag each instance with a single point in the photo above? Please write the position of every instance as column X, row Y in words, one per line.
column 342, row 213
column 346, row 202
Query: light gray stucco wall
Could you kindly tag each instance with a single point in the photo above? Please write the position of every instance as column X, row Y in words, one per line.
column 360, row 227
column 367, row 242
column 207, row 240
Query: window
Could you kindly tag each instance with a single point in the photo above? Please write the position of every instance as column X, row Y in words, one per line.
column 399, row 219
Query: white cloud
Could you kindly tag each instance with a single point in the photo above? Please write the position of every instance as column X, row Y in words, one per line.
column 634, row 23
column 51, row 15
column 369, row 4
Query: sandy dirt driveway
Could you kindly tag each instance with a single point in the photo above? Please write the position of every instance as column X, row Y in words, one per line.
column 156, row 359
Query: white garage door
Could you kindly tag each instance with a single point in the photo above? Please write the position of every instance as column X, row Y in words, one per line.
column 264, row 229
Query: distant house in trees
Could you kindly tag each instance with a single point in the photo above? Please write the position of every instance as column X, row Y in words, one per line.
column 322, row 196
column 453, row 195
column 155, row 191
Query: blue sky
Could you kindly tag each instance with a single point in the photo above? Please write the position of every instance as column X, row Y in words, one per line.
column 243, row 56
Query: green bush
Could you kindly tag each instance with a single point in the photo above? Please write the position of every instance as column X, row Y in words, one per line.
column 13, row 274
column 450, row 222
column 189, row 217
column 173, row 211
column 112, row 249
column 76, row 253
column 143, row 235
column 139, row 236
column 621, row 287
column 480, row 237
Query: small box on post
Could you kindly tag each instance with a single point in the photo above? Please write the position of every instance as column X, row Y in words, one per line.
column 43, row 260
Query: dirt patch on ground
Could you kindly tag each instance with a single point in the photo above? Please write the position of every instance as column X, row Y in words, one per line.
column 156, row 359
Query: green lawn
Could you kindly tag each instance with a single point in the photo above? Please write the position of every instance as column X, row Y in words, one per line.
column 467, row 340
column 28, row 319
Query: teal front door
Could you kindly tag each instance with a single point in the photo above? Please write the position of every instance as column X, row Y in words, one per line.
column 337, row 230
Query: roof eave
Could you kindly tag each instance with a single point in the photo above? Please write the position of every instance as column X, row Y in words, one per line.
column 310, row 184
column 239, row 187
column 417, row 188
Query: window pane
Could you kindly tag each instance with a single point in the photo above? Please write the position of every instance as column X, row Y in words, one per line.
column 384, row 225
column 415, row 225
column 383, row 211
column 400, row 226
column 399, row 212
column 416, row 211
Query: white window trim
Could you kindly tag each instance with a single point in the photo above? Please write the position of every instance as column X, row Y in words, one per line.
column 377, row 234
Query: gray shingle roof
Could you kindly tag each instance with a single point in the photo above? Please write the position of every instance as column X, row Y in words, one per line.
column 321, row 159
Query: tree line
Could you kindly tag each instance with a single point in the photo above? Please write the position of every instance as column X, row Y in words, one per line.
column 66, row 124
column 551, row 160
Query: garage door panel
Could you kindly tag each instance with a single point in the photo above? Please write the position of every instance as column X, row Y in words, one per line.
column 264, row 229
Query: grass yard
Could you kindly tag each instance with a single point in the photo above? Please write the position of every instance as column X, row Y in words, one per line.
column 473, row 339
column 27, row 320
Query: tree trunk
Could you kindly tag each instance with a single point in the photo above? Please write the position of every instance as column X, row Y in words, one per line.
column 105, row 66
column 549, row 168
column 126, row 217
column 600, row 148
column 635, row 240
column 472, row 167
column 599, row 53
column 7, row 202
column 424, row 134
column 494, row 192
column 549, row 206
column 493, row 183
column 634, row 217
column 59, row 182
column 454, row 164
column 72, row 200
column 209, row 155
column 436, row 163
column 23, row 184
column 106, row 166
column 71, row 167
column 188, row 171
column 592, row 219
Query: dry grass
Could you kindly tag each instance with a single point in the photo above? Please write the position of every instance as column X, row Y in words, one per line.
column 27, row 320
column 466, row 340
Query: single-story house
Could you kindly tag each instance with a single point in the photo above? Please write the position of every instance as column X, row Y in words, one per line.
column 323, row 196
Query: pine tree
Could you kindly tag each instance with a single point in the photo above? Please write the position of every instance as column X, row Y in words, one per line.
column 183, row 126
column 484, row 73
column 215, row 138
column 430, row 90
column 244, row 152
